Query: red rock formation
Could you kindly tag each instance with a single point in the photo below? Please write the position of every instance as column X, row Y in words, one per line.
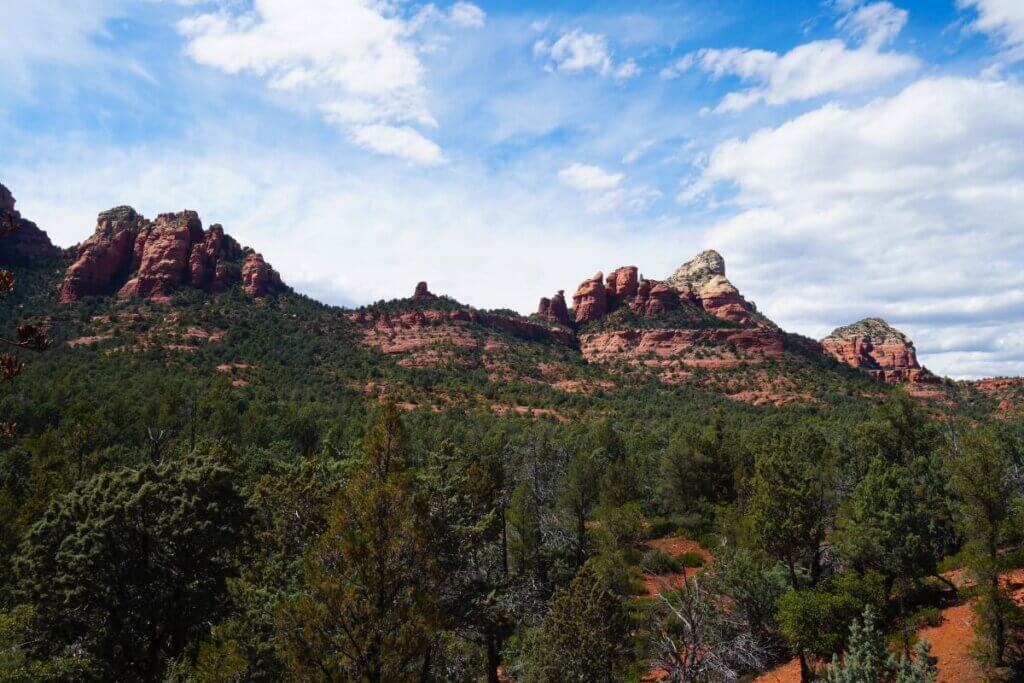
column 104, row 259
column 6, row 199
column 138, row 258
column 622, row 282
column 703, row 282
column 208, row 266
column 554, row 309
column 258, row 278
column 878, row 349
column 422, row 292
column 22, row 243
column 160, row 258
column 590, row 301
column 653, row 298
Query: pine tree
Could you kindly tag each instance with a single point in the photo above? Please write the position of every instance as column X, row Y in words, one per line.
column 371, row 609
column 868, row 660
column 585, row 637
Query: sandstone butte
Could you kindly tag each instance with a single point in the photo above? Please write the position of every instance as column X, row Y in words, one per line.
column 133, row 257
column 875, row 347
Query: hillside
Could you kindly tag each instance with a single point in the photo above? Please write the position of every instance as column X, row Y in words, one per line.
column 477, row 489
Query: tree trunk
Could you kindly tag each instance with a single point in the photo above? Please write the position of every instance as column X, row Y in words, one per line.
column 425, row 670
column 493, row 659
column 805, row 668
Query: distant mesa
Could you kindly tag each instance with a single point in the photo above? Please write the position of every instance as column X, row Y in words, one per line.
column 874, row 346
column 133, row 257
column 27, row 245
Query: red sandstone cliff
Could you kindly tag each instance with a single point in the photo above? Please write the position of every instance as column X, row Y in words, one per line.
column 877, row 348
column 700, row 282
column 22, row 243
column 137, row 258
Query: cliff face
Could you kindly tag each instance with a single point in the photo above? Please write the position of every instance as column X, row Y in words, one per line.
column 133, row 257
column 22, row 243
column 879, row 349
column 703, row 281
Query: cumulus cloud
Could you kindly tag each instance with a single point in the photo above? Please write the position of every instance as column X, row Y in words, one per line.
column 360, row 58
column 908, row 207
column 588, row 177
column 604, row 191
column 578, row 51
column 814, row 69
column 1001, row 19
column 404, row 142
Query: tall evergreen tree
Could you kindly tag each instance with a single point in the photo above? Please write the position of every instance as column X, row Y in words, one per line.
column 371, row 607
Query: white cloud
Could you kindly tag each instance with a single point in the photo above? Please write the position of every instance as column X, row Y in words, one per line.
column 467, row 14
column 604, row 191
column 1003, row 20
column 876, row 24
column 815, row 69
column 586, row 177
column 910, row 207
column 634, row 154
column 578, row 51
column 403, row 142
column 359, row 57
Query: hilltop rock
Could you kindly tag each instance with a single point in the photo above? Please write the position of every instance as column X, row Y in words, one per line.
column 590, row 301
column 160, row 256
column 422, row 292
column 622, row 282
column 6, row 199
column 210, row 261
column 137, row 258
column 104, row 259
column 879, row 349
column 22, row 243
column 554, row 309
column 703, row 281
column 258, row 278
column 654, row 298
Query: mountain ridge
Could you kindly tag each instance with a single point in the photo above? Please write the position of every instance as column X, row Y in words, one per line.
column 695, row 319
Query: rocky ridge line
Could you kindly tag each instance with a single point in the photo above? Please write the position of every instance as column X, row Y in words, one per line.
column 133, row 257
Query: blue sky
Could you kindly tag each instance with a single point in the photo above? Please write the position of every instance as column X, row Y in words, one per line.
column 847, row 157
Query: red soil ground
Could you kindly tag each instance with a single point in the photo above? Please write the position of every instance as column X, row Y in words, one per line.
column 951, row 640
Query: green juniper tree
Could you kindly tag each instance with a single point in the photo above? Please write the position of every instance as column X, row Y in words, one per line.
column 585, row 637
column 131, row 566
